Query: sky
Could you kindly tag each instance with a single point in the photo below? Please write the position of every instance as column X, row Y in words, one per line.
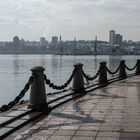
column 83, row 19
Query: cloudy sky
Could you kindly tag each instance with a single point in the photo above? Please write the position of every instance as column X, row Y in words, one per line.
column 83, row 19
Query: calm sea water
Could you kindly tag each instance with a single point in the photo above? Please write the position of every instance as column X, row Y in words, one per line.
column 15, row 69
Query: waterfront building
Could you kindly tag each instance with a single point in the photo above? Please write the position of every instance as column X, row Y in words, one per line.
column 42, row 41
column 55, row 41
column 22, row 43
column 2, row 44
column 115, row 39
column 32, row 43
column 16, row 43
column 112, row 37
column 118, row 39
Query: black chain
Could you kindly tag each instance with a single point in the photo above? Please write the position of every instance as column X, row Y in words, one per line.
column 91, row 78
column 110, row 72
column 51, row 85
column 130, row 69
column 20, row 96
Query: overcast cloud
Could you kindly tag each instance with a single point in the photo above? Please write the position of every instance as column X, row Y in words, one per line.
column 83, row 19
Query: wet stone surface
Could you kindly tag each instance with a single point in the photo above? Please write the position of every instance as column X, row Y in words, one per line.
column 110, row 113
column 3, row 119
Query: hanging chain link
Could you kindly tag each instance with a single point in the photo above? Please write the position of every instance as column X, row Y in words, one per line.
column 91, row 78
column 131, row 69
column 20, row 96
column 110, row 72
column 51, row 85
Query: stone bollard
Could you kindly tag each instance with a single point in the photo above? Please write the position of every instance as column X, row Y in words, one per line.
column 78, row 81
column 138, row 67
column 122, row 72
column 38, row 93
column 103, row 74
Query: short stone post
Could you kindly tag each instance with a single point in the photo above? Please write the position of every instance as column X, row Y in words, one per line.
column 138, row 67
column 122, row 72
column 78, row 81
column 37, row 93
column 103, row 74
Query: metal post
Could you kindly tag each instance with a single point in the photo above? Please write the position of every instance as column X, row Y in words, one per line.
column 78, row 81
column 122, row 72
column 103, row 74
column 37, row 93
column 138, row 67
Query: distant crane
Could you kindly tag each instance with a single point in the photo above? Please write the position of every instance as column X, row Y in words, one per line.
column 95, row 46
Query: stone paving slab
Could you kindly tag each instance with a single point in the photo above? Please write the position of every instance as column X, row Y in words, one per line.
column 16, row 113
column 4, row 119
column 110, row 113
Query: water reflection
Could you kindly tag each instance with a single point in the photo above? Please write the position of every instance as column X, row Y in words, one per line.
column 95, row 61
column 16, row 64
column 54, row 63
column 43, row 60
column 60, row 64
column 74, row 60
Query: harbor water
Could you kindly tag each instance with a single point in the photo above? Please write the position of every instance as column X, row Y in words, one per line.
column 15, row 69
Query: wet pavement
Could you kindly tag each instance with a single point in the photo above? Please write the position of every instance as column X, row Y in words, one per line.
column 110, row 113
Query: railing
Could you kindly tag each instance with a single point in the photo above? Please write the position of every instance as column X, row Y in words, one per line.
column 37, row 81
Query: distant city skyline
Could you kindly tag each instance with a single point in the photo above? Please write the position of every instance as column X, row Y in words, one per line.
column 83, row 19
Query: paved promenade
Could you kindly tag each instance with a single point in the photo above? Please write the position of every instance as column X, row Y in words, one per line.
column 110, row 113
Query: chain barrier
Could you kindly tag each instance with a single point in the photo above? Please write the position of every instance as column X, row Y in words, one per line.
column 91, row 78
column 53, row 86
column 20, row 96
column 130, row 69
column 110, row 72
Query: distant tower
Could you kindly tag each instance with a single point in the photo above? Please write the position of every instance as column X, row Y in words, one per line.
column 16, row 42
column 95, row 46
column 112, row 37
column 55, row 41
column 60, row 45
column 60, row 39
column 75, row 44
column 60, row 42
